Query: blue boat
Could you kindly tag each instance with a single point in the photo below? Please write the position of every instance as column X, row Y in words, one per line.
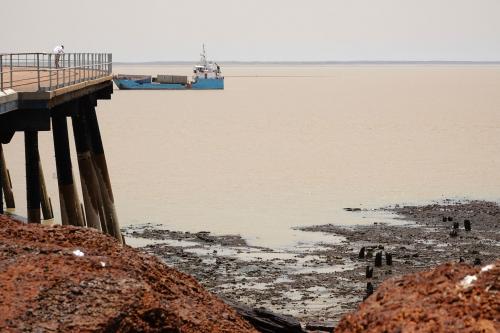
column 207, row 75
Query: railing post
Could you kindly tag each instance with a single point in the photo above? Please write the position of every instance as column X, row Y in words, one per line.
column 84, row 56
column 10, row 71
column 110, row 63
column 38, row 69
column 50, row 72
column 1, row 72
column 64, row 70
column 79, row 61
column 85, row 66
column 79, row 64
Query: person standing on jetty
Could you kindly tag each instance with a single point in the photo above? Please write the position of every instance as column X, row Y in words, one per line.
column 58, row 50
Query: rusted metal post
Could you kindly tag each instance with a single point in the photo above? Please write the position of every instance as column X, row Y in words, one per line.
column 102, row 173
column 6, row 183
column 88, row 177
column 70, row 204
column 32, row 176
column 47, row 211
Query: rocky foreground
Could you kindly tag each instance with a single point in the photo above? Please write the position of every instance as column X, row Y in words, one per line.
column 453, row 297
column 69, row 279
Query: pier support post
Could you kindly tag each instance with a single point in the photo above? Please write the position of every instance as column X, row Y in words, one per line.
column 71, row 213
column 47, row 211
column 88, row 177
column 6, row 183
column 32, row 176
column 102, row 172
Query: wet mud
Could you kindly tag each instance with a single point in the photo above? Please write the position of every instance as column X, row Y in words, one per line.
column 318, row 283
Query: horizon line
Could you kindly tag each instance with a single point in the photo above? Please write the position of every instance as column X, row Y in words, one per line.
column 311, row 62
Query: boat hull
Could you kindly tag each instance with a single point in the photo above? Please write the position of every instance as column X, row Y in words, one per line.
column 200, row 84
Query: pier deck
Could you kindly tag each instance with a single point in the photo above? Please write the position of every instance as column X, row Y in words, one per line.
column 39, row 92
column 32, row 80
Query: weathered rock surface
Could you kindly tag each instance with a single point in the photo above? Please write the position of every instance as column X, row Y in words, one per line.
column 450, row 298
column 69, row 279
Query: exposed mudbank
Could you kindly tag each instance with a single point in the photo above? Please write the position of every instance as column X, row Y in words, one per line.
column 321, row 282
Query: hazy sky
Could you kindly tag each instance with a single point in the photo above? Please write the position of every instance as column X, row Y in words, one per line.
column 272, row 30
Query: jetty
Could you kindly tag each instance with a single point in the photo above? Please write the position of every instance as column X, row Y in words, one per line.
column 38, row 92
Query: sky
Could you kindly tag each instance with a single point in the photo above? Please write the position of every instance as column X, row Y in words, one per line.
column 257, row 30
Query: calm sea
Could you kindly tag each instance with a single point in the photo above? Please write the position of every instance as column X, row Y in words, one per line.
column 286, row 146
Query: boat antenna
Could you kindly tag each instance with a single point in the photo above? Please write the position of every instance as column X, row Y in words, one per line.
column 203, row 55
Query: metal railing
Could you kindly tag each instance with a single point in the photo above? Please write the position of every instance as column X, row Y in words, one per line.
column 48, row 71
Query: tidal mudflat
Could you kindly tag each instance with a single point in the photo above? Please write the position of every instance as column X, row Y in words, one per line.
column 320, row 282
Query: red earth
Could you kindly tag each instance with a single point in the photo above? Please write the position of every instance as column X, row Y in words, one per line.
column 70, row 279
column 449, row 298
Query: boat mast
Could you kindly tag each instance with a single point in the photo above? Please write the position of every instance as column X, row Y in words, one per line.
column 203, row 55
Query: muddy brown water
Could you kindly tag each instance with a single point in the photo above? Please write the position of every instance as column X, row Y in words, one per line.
column 286, row 146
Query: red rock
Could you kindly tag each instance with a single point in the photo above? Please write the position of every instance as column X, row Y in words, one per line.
column 433, row 301
column 44, row 286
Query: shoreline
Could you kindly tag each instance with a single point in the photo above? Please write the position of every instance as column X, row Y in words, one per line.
column 321, row 283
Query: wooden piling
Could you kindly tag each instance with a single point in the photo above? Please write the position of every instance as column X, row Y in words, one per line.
column 467, row 225
column 378, row 259
column 47, row 211
column 369, row 253
column 70, row 204
column 369, row 272
column 361, row 254
column 388, row 259
column 102, row 173
column 32, row 176
column 6, row 183
column 369, row 290
column 90, row 184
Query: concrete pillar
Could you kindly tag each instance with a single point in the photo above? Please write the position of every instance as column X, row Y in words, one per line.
column 70, row 204
column 102, row 173
column 90, row 183
column 6, row 183
column 48, row 213
column 32, row 176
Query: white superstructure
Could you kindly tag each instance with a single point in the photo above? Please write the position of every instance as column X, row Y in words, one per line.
column 206, row 69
